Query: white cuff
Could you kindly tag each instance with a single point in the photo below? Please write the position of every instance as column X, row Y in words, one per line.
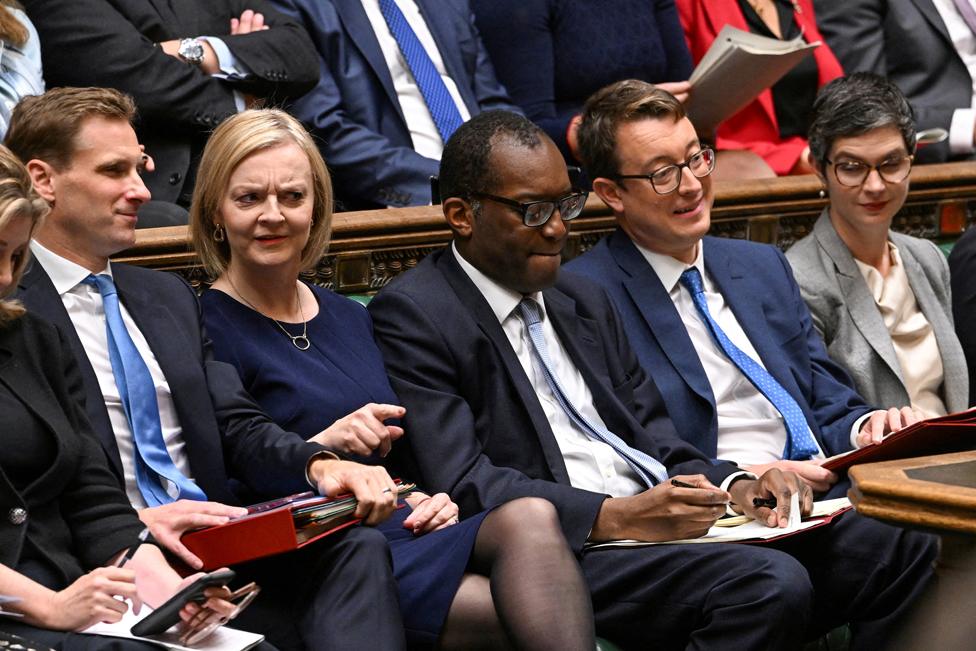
column 742, row 474
column 230, row 67
column 856, row 427
column 961, row 131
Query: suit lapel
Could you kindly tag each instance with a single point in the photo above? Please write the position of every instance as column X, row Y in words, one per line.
column 745, row 301
column 859, row 302
column 931, row 14
column 472, row 299
column 360, row 30
column 43, row 300
column 39, row 399
column 660, row 315
column 445, row 34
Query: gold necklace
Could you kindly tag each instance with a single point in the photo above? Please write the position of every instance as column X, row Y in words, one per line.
column 301, row 342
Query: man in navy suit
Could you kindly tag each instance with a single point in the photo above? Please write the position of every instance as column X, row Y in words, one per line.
column 502, row 404
column 694, row 307
column 376, row 126
column 85, row 160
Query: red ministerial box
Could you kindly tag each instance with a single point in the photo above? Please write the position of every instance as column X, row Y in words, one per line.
column 951, row 433
column 257, row 535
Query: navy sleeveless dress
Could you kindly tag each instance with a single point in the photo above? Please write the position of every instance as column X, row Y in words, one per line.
column 306, row 391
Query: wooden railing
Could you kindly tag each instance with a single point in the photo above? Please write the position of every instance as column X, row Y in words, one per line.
column 370, row 247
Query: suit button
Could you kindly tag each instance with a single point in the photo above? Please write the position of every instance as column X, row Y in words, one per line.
column 17, row 515
column 175, row 178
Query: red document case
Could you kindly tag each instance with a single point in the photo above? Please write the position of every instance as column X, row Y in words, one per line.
column 299, row 521
column 952, row 433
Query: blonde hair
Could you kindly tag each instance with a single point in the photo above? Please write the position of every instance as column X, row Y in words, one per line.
column 17, row 200
column 234, row 140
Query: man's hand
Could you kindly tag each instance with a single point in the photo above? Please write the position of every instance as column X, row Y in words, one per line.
column 773, row 484
column 430, row 513
column 250, row 21
column 662, row 513
column 883, row 422
column 820, row 479
column 168, row 522
column 363, row 431
column 372, row 486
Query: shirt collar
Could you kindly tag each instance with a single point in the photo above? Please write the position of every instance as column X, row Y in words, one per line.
column 64, row 274
column 669, row 269
column 502, row 300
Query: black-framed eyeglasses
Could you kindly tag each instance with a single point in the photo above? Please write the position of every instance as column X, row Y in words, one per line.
column 852, row 173
column 537, row 213
column 668, row 178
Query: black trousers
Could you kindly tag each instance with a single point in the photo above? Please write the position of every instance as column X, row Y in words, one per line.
column 337, row 593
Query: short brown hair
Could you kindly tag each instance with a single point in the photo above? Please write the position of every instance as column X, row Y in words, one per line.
column 45, row 126
column 234, row 140
column 17, row 200
column 606, row 109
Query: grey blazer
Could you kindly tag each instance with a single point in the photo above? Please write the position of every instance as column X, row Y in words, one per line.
column 845, row 314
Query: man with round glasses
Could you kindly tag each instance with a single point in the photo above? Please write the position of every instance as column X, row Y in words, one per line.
column 721, row 327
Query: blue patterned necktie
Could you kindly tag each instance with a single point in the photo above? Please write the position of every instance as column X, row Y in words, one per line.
column 138, row 394
column 442, row 108
column 650, row 470
column 800, row 443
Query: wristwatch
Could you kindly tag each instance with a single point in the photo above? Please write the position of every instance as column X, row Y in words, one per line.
column 191, row 51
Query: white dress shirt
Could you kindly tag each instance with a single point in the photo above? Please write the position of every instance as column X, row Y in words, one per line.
column 591, row 465
column 84, row 306
column 963, row 39
column 750, row 429
column 423, row 132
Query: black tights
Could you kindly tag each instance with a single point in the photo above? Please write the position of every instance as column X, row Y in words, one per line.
column 524, row 589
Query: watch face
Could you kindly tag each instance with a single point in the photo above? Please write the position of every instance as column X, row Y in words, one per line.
column 191, row 50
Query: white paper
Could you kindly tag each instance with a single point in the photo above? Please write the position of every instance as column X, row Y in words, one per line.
column 223, row 639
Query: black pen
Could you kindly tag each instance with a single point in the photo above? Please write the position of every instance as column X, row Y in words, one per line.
column 131, row 550
column 677, row 483
column 764, row 501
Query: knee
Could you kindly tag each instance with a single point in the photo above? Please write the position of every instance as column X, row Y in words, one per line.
column 364, row 542
column 786, row 582
column 540, row 513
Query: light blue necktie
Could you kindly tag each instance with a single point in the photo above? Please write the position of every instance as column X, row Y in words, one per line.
column 442, row 108
column 650, row 470
column 138, row 394
column 799, row 443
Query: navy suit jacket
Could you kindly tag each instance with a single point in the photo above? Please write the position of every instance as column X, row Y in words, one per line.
column 475, row 426
column 758, row 285
column 354, row 111
column 225, row 432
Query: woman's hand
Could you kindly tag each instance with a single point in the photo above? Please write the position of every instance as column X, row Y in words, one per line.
column 363, row 431
column 91, row 599
column 430, row 513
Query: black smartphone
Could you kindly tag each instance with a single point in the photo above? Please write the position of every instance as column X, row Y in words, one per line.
column 168, row 614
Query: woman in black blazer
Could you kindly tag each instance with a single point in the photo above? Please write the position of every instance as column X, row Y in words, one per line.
column 63, row 518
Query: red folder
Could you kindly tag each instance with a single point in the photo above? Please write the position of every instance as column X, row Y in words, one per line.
column 274, row 528
column 952, row 433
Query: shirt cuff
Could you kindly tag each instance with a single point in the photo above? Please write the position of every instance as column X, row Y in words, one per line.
column 230, row 67
column 727, row 482
column 321, row 454
column 961, row 131
column 856, row 428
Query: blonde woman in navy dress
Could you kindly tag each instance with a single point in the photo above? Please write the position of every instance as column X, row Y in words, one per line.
column 261, row 215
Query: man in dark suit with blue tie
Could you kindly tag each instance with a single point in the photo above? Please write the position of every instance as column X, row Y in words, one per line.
column 174, row 423
column 396, row 78
column 518, row 380
column 722, row 328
